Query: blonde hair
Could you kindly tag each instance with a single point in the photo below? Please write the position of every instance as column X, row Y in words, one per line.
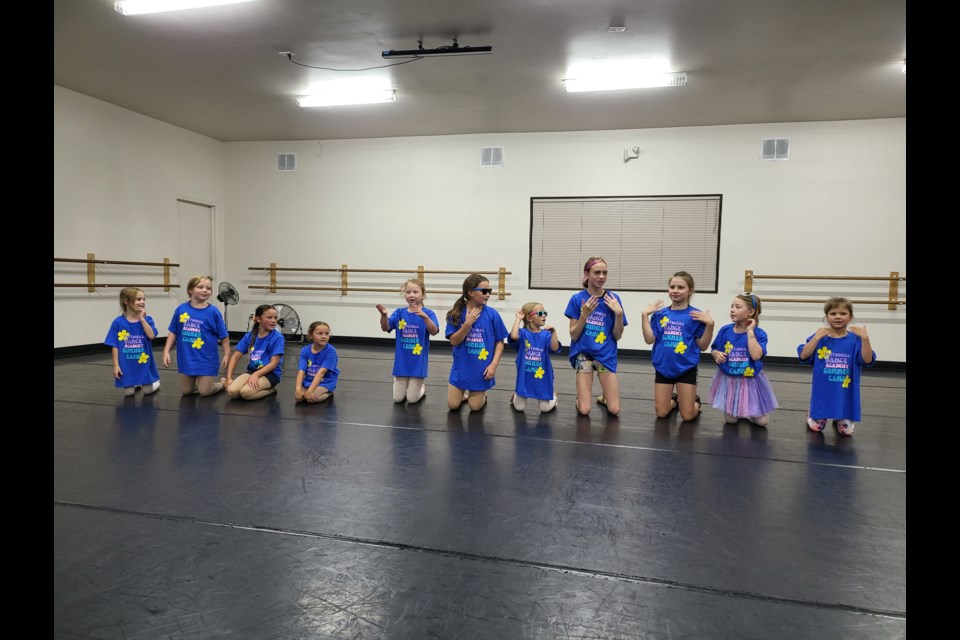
column 416, row 281
column 527, row 310
column 195, row 280
column 754, row 301
column 834, row 303
column 128, row 295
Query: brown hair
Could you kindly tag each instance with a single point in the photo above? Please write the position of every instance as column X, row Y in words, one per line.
column 472, row 280
column 833, row 303
column 592, row 260
column 754, row 302
column 128, row 295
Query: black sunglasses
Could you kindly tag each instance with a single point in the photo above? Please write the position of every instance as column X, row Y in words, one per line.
column 483, row 290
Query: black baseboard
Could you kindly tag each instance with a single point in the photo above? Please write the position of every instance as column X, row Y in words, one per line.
column 359, row 341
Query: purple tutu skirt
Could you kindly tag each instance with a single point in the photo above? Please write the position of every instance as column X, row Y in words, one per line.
column 742, row 397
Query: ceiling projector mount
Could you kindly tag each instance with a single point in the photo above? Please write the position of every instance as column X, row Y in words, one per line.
column 450, row 50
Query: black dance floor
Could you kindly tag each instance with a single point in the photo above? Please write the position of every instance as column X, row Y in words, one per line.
column 187, row 517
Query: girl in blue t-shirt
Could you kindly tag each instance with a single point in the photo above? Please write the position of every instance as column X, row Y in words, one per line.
column 129, row 338
column 534, row 344
column 197, row 328
column 841, row 352
column 596, row 324
column 740, row 387
column 265, row 345
column 317, row 371
column 678, row 334
column 414, row 325
column 477, row 333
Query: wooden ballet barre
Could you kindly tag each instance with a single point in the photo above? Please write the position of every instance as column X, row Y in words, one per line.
column 92, row 285
column 345, row 270
column 893, row 292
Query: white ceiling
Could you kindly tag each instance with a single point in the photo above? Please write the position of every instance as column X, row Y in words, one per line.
column 217, row 71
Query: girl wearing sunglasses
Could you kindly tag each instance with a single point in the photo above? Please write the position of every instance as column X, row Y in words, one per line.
column 534, row 344
column 476, row 333
column 596, row 324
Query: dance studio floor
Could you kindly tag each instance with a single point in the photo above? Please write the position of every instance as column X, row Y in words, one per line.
column 187, row 517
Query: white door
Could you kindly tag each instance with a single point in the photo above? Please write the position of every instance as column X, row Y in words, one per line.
column 196, row 246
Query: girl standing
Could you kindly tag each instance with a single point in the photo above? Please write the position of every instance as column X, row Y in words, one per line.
column 596, row 324
column 534, row 343
column 265, row 345
column 740, row 387
column 678, row 334
column 129, row 338
column 841, row 352
column 317, row 372
column 414, row 325
column 197, row 327
column 477, row 333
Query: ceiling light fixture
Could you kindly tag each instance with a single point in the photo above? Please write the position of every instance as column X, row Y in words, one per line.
column 334, row 99
column 137, row 7
column 450, row 50
column 614, row 83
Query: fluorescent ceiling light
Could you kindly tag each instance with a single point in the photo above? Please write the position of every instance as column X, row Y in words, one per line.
column 136, row 7
column 613, row 83
column 332, row 99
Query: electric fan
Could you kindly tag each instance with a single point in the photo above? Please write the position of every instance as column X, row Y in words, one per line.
column 227, row 294
column 288, row 321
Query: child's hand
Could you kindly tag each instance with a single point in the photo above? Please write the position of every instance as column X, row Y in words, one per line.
column 228, row 382
column 751, row 324
column 117, row 373
column 549, row 328
column 166, row 360
column 612, row 304
column 703, row 316
column 298, row 393
column 520, row 314
column 417, row 309
column 653, row 306
column 253, row 382
column 382, row 309
column 589, row 305
column 143, row 313
column 472, row 316
column 490, row 371
column 719, row 356
column 859, row 331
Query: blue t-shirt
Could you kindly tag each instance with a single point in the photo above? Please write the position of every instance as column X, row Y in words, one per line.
column 534, row 369
column 738, row 362
column 596, row 339
column 413, row 342
column 836, row 377
column 263, row 350
column 199, row 333
column 135, row 352
column 311, row 363
column 675, row 349
column 475, row 353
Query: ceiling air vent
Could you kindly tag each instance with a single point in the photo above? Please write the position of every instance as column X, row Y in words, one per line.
column 286, row 162
column 775, row 149
column 491, row 156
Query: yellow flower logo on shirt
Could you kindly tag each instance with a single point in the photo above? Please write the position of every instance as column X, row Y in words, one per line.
column 823, row 353
column 748, row 372
column 123, row 335
column 483, row 354
column 197, row 344
column 184, row 317
column 601, row 338
column 727, row 348
column 663, row 321
column 309, row 362
column 401, row 324
column 846, row 382
column 680, row 348
column 143, row 358
column 417, row 349
column 527, row 342
column 538, row 373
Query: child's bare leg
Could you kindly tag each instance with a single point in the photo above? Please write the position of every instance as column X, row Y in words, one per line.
column 209, row 385
column 663, row 399
column 584, row 389
column 477, row 400
column 610, row 386
column 687, row 401
column 188, row 384
column 264, row 389
column 455, row 397
column 319, row 394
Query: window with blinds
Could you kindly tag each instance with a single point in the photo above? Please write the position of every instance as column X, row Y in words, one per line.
column 644, row 240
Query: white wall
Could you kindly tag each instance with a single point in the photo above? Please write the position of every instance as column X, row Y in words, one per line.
column 117, row 176
column 838, row 206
